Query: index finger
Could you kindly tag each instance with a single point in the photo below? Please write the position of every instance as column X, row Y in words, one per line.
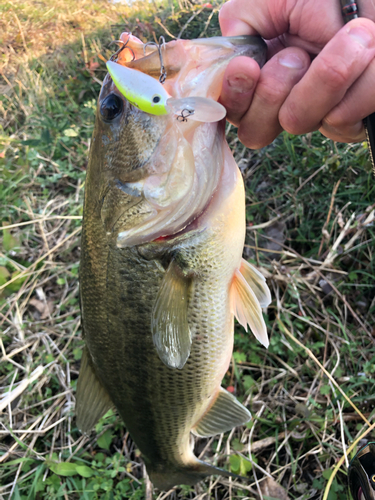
column 331, row 74
column 313, row 20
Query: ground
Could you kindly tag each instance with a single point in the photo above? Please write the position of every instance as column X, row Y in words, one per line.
column 310, row 213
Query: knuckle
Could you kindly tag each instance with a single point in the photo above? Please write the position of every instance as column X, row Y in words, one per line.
column 339, row 116
column 334, row 72
column 290, row 121
column 332, row 123
column 260, row 138
column 271, row 94
column 246, row 139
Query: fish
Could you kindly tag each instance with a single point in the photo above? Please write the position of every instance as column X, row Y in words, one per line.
column 161, row 271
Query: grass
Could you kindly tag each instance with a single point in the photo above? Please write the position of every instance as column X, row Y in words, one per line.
column 310, row 212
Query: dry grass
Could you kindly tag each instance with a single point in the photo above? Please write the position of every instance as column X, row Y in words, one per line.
column 310, row 229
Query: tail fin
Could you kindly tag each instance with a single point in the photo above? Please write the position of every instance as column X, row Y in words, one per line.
column 190, row 474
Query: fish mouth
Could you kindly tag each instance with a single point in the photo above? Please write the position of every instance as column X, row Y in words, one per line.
column 191, row 228
column 147, row 59
column 187, row 165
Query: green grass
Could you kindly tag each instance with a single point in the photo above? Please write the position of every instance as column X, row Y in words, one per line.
column 316, row 254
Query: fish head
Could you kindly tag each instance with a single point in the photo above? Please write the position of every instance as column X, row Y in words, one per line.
column 159, row 170
column 123, row 143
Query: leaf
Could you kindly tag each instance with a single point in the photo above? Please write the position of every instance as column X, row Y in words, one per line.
column 45, row 136
column 16, row 494
column 325, row 389
column 44, row 308
column 63, row 468
column 318, row 483
column 273, row 490
column 70, row 132
column 239, row 357
column 235, row 463
column 31, row 142
column 332, row 495
column 105, row 439
column 245, row 466
column 9, row 241
column 4, row 275
column 327, row 473
column 236, row 445
column 85, row 471
column 77, row 353
column 248, row 382
column 16, row 284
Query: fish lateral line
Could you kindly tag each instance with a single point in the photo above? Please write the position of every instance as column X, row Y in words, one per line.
column 149, row 95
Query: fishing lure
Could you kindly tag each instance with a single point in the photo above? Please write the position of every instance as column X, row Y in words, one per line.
column 150, row 96
column 361, row 474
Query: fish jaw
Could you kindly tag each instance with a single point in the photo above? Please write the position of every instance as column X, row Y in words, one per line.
column 177, row 53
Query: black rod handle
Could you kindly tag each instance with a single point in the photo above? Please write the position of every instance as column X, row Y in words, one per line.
column 350, row 11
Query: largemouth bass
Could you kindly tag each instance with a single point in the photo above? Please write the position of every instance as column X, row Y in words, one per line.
column 162, row 273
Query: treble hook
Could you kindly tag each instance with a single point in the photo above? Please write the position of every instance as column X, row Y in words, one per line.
column 185, row 113
column 114, row 56
column 163, row 72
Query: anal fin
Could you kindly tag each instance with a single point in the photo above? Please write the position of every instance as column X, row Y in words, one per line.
column 226, row 412
column 92, row 400
column 246, row 307
column 170, row 329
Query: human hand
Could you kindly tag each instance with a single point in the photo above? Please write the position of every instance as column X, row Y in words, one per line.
column 333, row 93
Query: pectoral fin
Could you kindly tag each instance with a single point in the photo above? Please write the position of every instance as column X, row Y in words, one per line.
column 170, row 329
column 200, row 109
column 223, row 415
column 257, row 282
column 245, row 306
column 92, row 400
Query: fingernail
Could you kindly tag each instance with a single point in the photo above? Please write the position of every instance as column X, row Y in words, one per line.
column 292, row 61
column 240, row 83
column 357, row 129
column 361, row 36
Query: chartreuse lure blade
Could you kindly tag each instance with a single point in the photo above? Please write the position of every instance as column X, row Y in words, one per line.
column 139, row 89
column 149, row 96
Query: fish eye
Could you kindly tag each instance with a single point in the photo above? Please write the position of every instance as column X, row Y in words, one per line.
column 156, row 99
column 373, row 478
column 111, row 107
